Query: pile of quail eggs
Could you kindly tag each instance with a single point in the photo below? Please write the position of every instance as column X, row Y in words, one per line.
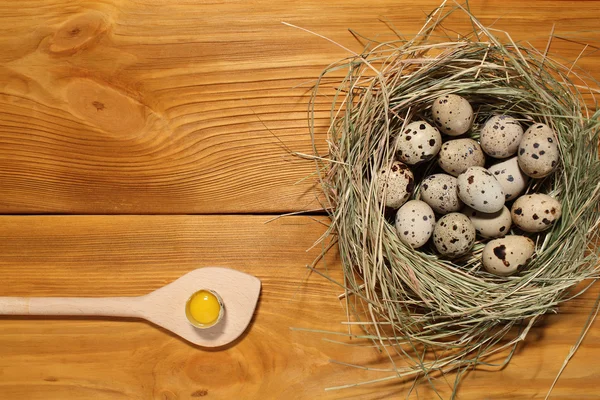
column 469, row 200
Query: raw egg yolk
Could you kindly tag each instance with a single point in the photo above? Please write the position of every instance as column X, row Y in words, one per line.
column 204, row 307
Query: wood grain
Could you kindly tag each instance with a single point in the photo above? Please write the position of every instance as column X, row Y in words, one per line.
column 110, row 107
column 128, row 256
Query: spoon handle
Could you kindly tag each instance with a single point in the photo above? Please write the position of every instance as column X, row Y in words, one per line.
column 100, row 306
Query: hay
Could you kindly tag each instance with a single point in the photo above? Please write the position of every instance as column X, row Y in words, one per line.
column 443, row 315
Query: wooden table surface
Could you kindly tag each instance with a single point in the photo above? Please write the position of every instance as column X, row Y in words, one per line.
column 142, row 139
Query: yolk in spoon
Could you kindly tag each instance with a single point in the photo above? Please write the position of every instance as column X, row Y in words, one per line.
column 204, row 308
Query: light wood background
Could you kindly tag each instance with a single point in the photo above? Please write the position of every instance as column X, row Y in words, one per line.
column 156, row 131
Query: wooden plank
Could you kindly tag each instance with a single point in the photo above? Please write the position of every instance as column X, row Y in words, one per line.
column 173, row 107
column 71, row 358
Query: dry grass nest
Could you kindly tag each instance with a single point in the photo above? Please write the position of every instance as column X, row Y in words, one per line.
column 440, row 314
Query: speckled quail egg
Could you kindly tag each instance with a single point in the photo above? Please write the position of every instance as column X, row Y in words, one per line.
column 478, row 188
column 538, row 151
column 500, row 136
column 414, row 223
column 452, row 114
column 535, row 212
column 454, row 235
column 395, row 184
column 504, row 256
column 459, row 154
column 511, row 178
column 439, row 191
column 418, row 142
column 490, row 225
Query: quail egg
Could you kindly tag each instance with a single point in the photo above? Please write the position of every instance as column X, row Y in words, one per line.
column 511, row 178
column 535, row 212
column 500, row 136
column 459, row 154
column 454, row 235
column 452, row 114
column 439, row 191
column 538, row 151
column 490, row 225
column 395, row 184
column 478, row 188
column 418, row 142
column 414, row 223
column 504, row 256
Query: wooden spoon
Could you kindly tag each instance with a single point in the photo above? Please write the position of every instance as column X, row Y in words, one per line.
column 164, row 307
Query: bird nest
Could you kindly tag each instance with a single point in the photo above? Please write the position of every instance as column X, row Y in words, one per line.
column 442, row 314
